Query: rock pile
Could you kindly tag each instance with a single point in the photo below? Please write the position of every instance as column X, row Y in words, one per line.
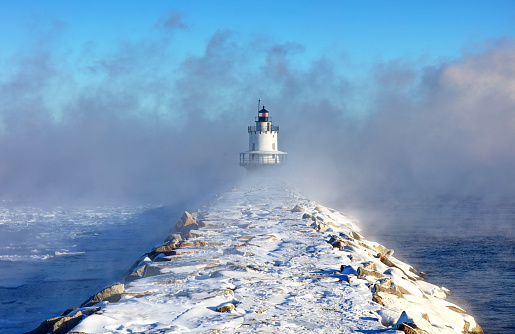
column 262, row 259
column 397, row 287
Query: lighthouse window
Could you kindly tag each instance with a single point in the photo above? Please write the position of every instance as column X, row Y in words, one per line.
column 273, row 146
column 253, row 146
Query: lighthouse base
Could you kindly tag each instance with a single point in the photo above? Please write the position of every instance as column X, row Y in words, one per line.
column 253, row 160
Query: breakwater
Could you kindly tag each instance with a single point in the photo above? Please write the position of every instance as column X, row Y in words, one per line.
column 263, row 258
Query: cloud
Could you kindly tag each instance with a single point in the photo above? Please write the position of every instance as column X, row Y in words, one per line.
column 172, row 21
column 134, row 124
column 446, row 131
column 120, row 136
column 395, row 75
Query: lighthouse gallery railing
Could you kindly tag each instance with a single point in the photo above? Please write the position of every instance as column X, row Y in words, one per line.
column 253, row 128
column 249, row 158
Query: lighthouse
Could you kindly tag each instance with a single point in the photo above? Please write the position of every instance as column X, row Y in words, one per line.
column 263, row 149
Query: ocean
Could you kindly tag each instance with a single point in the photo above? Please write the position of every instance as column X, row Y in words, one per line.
column 464, row 244
column 52, row 259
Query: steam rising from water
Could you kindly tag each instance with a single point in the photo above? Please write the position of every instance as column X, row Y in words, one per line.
column 138, row 124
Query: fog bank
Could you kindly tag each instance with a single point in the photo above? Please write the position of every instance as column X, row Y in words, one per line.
column 138, row 124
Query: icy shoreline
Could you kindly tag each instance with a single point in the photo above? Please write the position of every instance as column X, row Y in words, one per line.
column 261, row 258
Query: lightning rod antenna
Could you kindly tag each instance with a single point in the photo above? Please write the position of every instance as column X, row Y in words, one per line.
column 259, row 103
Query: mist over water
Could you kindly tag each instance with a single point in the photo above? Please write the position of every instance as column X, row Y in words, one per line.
column 140, row 124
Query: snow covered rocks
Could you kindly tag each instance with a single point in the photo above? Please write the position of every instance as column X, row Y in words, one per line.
column 112, row 294
column 261, row 259
column 58, row 325
column 186, row 223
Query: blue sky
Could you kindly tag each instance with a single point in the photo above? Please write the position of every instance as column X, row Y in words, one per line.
column 364, row 31
column 355, row 35
column 393, row 96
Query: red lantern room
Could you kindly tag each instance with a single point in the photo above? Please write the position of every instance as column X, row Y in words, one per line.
column 263, row 115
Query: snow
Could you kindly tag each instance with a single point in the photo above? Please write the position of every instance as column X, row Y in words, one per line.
column 278, row 273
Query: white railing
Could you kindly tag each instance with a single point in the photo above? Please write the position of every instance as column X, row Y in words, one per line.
column 252, row 159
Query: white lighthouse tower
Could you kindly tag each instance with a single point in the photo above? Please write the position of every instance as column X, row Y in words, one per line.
column 263, row 150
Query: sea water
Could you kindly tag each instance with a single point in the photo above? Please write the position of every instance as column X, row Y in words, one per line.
column 52, row 259
column 55, row 258
column 466, row 245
